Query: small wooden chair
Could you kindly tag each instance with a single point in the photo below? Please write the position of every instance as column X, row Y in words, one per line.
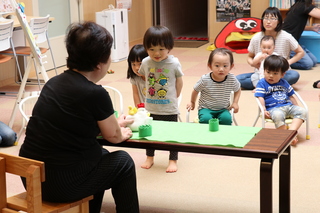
column 31, row 200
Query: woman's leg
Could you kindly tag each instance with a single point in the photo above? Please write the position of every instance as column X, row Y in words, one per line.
column 305, row 63
column 115, row 171
column 291, row 76
column 312, row 57
column 125, row 190
column 7, row 136
column 245, row 81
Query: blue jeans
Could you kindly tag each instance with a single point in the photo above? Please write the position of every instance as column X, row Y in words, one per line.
column 291, row 76
column 7, row 135
column 306, row 62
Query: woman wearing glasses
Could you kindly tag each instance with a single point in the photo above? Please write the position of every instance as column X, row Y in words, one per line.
column 284, row 44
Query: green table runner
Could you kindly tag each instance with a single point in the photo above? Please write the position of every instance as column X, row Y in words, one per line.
column 195, row 133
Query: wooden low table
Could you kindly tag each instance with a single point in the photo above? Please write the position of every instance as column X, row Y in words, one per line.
column 267, row 144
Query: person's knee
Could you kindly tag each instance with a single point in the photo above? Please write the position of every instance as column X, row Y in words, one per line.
column 204, row 119
column 225, row 122
column 225, row 119
column 124, row 158
column 8, row 139
column 277, row 115
column 301, row 66
column 204, row 116
column 291, row 76
column 301, row 113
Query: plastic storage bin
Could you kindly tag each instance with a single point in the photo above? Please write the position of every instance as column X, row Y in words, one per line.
column 311, row 40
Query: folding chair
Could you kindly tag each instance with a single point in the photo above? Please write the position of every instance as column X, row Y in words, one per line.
column 25, row 107
column 117, row 99
column 39, row 28
column 196, row 120
column 287, row 121
column 31, row 200
column 6, row 30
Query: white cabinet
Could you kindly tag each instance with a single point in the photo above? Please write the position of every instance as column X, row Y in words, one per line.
column 116, row 22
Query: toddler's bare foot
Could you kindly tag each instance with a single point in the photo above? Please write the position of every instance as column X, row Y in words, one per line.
column 294, row 141
column 148, row 163
column 172, row 166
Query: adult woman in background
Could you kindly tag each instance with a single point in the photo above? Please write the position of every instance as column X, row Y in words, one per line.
column 285, row 42
column 295, row 23
column 69, row 114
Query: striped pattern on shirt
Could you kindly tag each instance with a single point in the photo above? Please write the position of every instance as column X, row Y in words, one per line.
column 216, row 95
column 285, row 43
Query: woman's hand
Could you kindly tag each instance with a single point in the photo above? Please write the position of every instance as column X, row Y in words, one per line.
column 123, row 122
column 114, row 130
column 126, row 133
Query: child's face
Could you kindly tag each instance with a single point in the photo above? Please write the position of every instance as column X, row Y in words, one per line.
column 135, row 66
column 220, row 66
column 273, row 77
column 267, row 47
column 158, row 53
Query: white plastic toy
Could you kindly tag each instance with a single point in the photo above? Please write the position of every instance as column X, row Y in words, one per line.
column 140, row 116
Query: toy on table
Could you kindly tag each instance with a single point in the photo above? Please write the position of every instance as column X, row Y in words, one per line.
column 213, row 124
column 140, row 116
column 145, row 130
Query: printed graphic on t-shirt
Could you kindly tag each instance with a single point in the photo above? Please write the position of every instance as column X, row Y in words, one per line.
column 158, row 86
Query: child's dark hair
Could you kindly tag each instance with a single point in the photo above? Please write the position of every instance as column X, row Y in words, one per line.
column 273, row 12
column 158, row 35
column 276, row 63
column 136, row 54
column 223, row 51
column 267, row 38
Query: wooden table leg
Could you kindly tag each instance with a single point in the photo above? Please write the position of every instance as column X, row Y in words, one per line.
column 266, row 185
column 284, row 181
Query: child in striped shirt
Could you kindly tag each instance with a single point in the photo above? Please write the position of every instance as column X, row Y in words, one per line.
column 215, row 88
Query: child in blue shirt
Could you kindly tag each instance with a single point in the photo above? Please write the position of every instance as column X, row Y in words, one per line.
column 276, row 95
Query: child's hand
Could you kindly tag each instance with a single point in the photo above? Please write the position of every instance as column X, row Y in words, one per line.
column 235, row 107
column 267, row 114
column 190, row 106
column 264, row 56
